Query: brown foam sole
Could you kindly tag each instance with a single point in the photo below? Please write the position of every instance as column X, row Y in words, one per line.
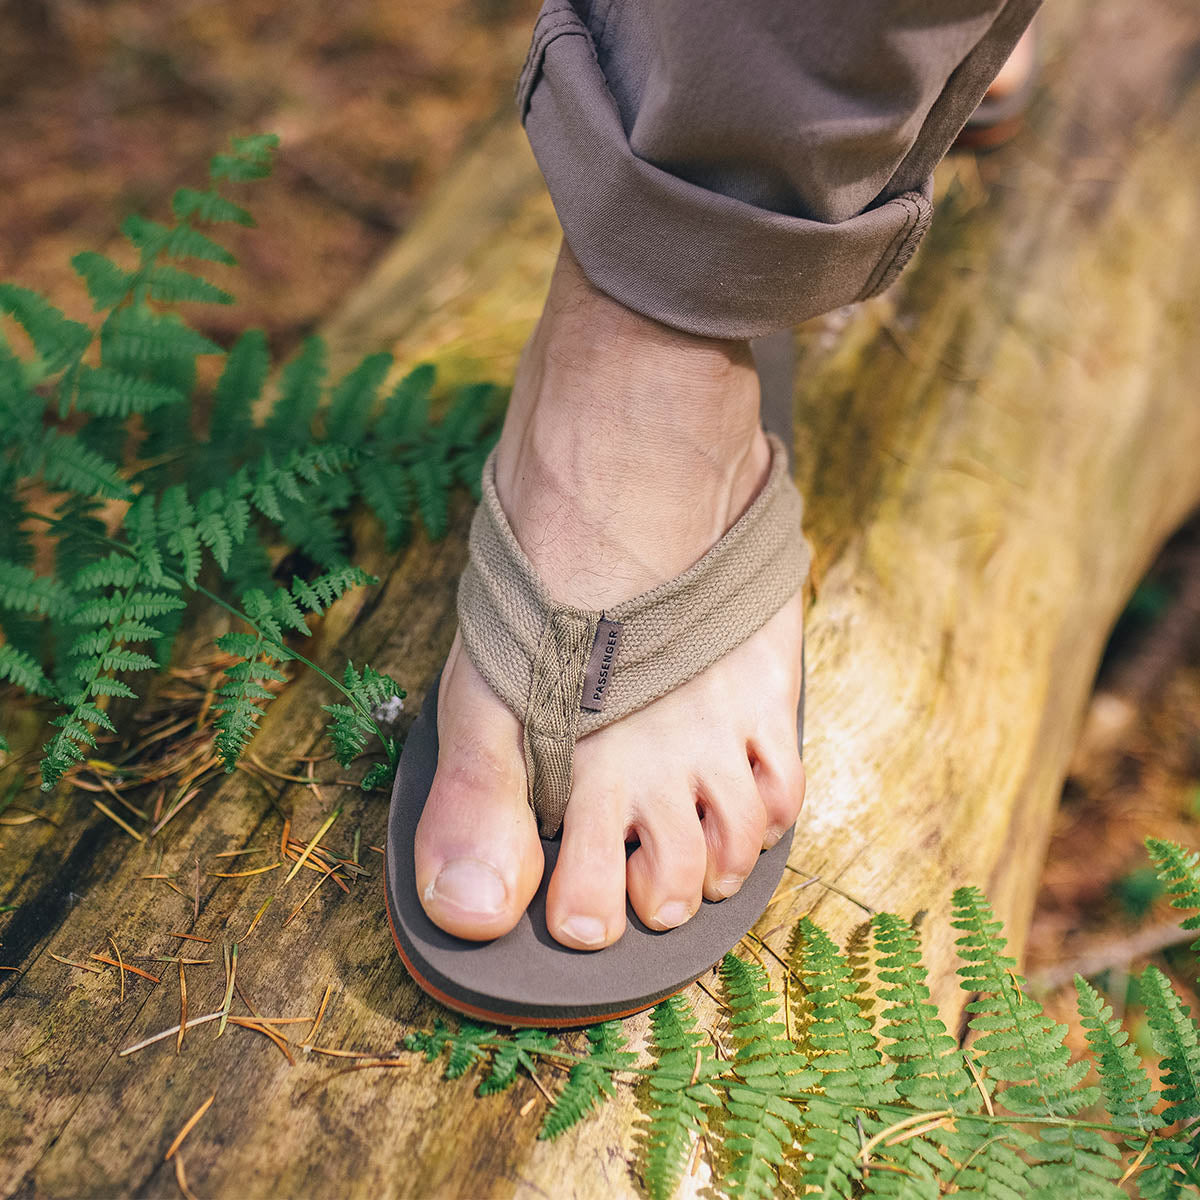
column 526, row 977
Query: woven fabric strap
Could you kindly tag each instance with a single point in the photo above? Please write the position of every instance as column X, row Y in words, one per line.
column 537, row 655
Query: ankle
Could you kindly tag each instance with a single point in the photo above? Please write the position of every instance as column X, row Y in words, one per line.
column 626, row 442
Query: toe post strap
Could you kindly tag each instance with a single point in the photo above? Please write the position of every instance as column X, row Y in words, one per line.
column 566, row 672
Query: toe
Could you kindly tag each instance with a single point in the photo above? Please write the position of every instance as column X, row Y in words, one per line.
column 477, row 854
column 665, row 874
column 734, row 826
column 779, row 775
column 585, row 902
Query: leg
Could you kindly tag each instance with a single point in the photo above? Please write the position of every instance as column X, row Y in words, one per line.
column 641, row 352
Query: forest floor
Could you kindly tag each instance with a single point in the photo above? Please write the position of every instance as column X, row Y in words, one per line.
column 106, row 109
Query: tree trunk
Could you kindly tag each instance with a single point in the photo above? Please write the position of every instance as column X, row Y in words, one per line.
column 992, row 452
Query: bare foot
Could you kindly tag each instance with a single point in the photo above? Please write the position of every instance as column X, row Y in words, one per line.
column 627, row 451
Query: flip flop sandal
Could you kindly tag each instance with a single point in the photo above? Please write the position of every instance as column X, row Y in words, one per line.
column 566, row 672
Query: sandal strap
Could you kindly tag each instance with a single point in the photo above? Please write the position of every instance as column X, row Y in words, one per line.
column 566, row 672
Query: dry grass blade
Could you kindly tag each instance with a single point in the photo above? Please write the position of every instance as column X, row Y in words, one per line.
column 231, row 976
column 329, row 820
column 175, row 888
column 238, row 853
column 112, row 791
column 189, row 1125
column 296, row 911
column 243, row 874
column 181, row 1179
column 112, row 816
column 174, row 811
column 77, row 965
column 191, row 937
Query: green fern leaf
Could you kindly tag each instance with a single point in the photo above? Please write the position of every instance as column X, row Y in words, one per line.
column 1175, row 1038
column 238, row 389
column 510, row 1056
column 1180, row 875
column 106, row 283
column 352, row 727
column 466, row 1046
column 240, row 698
column 432, row 482
column 135, row 336
column 678, row 1092
column 291, row 417
column 761, row 1117
column 589, row 1081
column 146, row 236
column 24, row 670
column 112, row 393
column 56, row 339
column 404, row 418
column 171, row 285
column 22, row 590
column 352, row 400
column 209, row 207
column 186, row 242
column 251, row 159
column 68, row 464
column 387, row 491
column 1126, row 1087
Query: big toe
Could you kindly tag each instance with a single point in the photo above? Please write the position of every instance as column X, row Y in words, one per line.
column 477, row 855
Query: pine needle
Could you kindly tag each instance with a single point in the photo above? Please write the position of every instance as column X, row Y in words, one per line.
column 230, row 976
column 192, row 937
column 258, row 1027
column 78, row 965
column 312, row 1033
column 125, row 967
column 243, row 874
column 188, row 1127
column 166, row 1033
column 182, row 1008
column 112, row 816
column 120, row 970
column 196, row 906
column 174, row 887
column 181, row 1179
column 283, row 841
column 296, row 911
column 238, row 853
column 333, row 816
column 258, row 916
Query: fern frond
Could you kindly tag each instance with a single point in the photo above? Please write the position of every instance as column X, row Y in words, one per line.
column 209, row 207
column 56, row 339
column 111, row 393
column 242, row 380
column 134, row 336
column 24, row 670
column 353, row 398
column 466, row 1047
column 173, row 285
column 589, row 1081
column 512, row 1054
column 68, row 464
column 354, row 724
column 1123, row 1080
column 1174, row 1036
column 107, row 284
column 23, row 590
column 404, row 417
column 240, row 698
column 251, row 159
column 677, row 1094
column 291, row 417
column 1180, row 875
column 761, row 1117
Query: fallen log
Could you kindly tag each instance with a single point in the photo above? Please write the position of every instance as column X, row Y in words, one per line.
column 992, row 453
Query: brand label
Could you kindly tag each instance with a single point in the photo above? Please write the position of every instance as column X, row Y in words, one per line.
column 600, row 665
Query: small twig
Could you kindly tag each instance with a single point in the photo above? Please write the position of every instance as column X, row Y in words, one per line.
column 112, row 816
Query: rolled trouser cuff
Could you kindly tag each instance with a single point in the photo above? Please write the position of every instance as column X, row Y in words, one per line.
column 694, row 259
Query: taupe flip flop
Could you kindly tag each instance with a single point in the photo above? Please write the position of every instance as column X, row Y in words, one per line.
column 526, row 977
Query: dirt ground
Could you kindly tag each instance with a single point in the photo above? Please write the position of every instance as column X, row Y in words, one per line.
column 105, row 109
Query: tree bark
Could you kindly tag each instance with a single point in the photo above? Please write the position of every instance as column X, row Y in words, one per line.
column 992, row 454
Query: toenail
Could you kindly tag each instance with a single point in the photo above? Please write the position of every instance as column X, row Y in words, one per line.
column 672, row 914
column 771, row 837
column 729, row 884
column 586, row 931
column 471, row 886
